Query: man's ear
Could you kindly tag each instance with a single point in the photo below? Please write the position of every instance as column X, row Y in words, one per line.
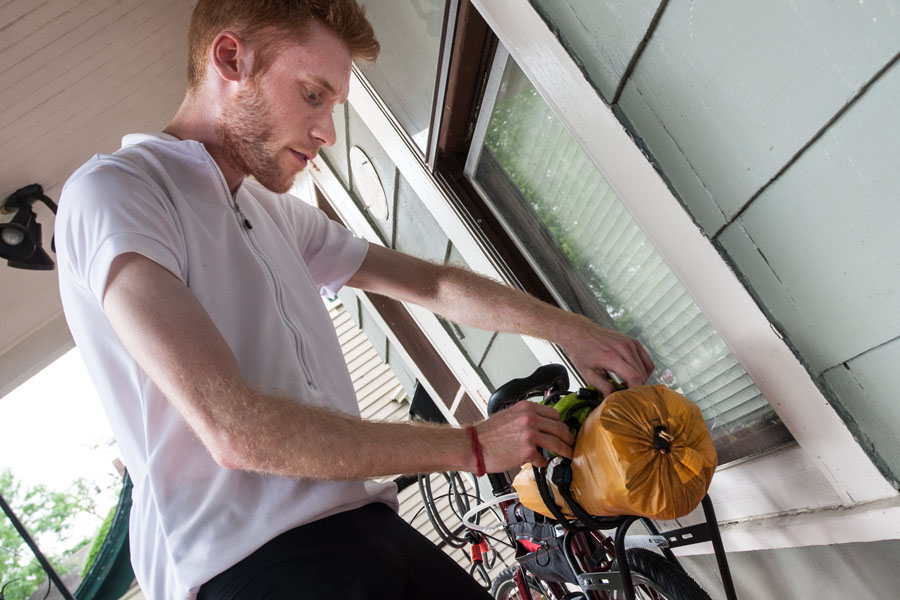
column 230, row 57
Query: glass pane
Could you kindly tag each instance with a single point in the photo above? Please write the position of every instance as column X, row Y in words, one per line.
column 546, row 189
column 404, row 75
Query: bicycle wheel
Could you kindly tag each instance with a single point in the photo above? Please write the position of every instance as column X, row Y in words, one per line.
column 505, row 588
column 655, row 578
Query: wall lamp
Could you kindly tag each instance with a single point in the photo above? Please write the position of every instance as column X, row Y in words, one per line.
column 20, row 239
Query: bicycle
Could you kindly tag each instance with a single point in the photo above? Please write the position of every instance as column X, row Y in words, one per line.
column 555, row 555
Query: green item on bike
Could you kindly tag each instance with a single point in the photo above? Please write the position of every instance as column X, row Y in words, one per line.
column 588, row 397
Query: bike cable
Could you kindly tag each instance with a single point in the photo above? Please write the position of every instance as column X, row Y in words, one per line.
column 459, row 503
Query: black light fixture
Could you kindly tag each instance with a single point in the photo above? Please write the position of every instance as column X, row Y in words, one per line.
column 20, row 239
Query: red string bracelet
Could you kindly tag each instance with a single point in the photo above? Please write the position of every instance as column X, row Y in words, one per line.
column 476, row 448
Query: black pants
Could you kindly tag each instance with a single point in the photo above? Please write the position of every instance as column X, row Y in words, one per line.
column 365, row 554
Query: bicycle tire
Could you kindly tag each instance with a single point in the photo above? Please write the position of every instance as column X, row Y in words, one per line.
column 665, row 580
column 505, row 588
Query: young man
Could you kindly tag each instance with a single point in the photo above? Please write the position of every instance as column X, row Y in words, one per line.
column 193, row 293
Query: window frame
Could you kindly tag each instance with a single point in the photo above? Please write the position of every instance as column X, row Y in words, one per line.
column 793, row 489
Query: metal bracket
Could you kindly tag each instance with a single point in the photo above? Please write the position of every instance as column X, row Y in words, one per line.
column 600, row 582
column 686, row 536
column 650, row 542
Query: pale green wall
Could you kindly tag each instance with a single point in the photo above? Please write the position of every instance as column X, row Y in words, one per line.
column 776, row 125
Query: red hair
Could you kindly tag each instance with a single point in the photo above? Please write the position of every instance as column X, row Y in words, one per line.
column 265, row 24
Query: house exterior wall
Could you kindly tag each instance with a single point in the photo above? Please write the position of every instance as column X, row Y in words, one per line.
column 774, row 124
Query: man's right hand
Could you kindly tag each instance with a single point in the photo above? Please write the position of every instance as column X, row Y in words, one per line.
column 512, row 437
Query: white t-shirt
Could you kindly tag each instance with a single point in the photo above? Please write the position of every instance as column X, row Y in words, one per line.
column 167, row 200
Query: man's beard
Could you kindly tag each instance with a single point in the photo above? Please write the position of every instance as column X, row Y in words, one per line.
column 246, row 129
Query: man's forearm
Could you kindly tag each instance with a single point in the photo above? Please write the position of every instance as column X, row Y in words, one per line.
column 465, row 297
column 279, row 435
column 597, row 352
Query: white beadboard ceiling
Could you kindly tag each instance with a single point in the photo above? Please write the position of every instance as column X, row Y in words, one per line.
column 75, row 76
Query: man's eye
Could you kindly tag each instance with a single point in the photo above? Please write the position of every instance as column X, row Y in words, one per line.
column 312, row 97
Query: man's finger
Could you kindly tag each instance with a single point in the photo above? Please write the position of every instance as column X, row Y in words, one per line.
column 554, row 444
column 645, row 358
column 539, row 460
column 639, row 363
column 553, row 425
column 548, row 412
column 630, row 366
column 600, row 380
column 636, row 373
column 560, row 431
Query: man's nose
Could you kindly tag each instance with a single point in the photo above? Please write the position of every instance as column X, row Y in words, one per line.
column 324, row 131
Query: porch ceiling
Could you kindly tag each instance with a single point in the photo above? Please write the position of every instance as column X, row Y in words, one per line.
column 74, row 78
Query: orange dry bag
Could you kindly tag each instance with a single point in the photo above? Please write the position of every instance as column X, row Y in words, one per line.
column 644, row 451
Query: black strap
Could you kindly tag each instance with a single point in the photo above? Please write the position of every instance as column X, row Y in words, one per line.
column 550, row 501
column 570, row 419
column 585, row 517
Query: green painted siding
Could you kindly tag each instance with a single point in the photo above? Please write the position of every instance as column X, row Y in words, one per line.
column 604, row 34
column 741, row 87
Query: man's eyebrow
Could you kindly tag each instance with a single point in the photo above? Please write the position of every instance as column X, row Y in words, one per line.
column 324, row 83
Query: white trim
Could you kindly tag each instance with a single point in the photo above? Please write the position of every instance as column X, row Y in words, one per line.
column 456, row 401
column 30, row 354
column 451, row 10
column 870, row 522
column 771, row 364
column 779, row 481
column 455, row 359
column 398, row 146
column 489, row 100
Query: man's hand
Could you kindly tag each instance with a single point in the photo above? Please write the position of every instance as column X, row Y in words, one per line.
column 597, row 352
column 512, row 437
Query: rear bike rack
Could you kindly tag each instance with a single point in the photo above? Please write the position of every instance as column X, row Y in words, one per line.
column 708, row 531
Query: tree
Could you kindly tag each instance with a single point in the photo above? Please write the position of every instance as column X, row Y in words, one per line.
column 49, row 517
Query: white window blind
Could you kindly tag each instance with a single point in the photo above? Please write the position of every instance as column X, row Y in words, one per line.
column 531, row 169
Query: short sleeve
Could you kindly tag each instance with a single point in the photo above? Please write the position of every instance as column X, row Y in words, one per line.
column 108, row 209
column 331, row 251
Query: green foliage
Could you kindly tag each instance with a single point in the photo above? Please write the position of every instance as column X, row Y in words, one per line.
column 48, row 516
column 98, row 541
column 511, row 130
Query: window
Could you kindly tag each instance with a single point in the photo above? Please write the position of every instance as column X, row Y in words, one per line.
column 410, row 34
column 593, row 255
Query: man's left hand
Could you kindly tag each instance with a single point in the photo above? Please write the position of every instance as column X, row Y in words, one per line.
column 598, row 352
